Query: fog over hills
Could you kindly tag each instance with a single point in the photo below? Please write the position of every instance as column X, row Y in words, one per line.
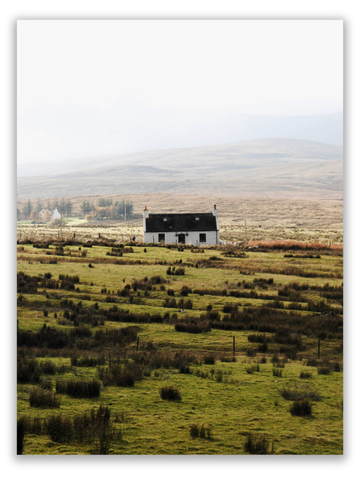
column 132, row 127
column 266, row 167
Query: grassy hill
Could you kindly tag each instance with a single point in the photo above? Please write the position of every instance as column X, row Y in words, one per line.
column 266, row 167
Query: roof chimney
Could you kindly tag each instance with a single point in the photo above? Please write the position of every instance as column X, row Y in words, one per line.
column 215, row 212
column 146, row 212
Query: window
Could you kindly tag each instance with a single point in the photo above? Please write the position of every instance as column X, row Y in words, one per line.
column 202, row 237
column 161, row 237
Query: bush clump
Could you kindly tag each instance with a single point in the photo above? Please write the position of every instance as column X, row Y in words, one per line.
column 257, row 445
column 301, row 408
column 193, row 326
column 43, row 399
column 20, row 437
column 209, row 359
column 324, row 370
column 79, row 389
column 170, row 393
column 202, row 431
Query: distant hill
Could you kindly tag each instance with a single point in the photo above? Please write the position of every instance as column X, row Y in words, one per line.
column 270, row 167
column 131, row 126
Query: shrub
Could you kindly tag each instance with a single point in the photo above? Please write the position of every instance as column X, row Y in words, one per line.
column 279, row 365
column 81, row 332
column 324, row 370
column 42, row 399
column 305, row 374
column 257, row 445
column 277, row 372
column 28, row 370
column 169, row 303
column 194, row 430
column 188, row 305
column 209, row 359
column 120, row 376
column 59, row 428
column 337, row 367
column 79, row 389
column 48, row 367
column 201, row 431
column 301, row 408
column 193, row 326
column 312, row 362
column 253, row 368
column 175, row 271
column 184, row 369
column 94, row 426
column 219, row 376
column 20, row 438
column 170, row 393
column 299, row 394
column 185, row 290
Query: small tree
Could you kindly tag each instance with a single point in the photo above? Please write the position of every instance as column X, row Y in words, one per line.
column 34, row 215
column 47, row 216
column 39, row 206
column 68, row 208
column 62, row 205
column 27, row 210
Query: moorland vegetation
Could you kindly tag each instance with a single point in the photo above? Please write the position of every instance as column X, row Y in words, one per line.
column 126, row 348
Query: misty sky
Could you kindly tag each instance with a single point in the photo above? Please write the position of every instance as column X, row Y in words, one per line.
column 106, row 87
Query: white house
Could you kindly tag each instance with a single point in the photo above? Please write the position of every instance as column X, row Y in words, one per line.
column 187, row 228
column 54, row 214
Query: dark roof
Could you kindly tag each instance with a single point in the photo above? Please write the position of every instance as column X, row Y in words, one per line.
column 181, row 222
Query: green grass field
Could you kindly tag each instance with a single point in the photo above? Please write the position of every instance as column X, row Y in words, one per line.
column 292, row 300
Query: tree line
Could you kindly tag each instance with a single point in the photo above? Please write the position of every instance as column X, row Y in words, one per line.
column 105, row 209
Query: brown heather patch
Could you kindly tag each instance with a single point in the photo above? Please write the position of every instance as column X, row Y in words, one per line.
column 294, row 245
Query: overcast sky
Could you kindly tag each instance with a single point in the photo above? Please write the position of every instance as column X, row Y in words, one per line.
column 94, row 87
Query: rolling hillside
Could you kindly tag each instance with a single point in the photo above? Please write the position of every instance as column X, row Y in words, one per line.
column 263, row 167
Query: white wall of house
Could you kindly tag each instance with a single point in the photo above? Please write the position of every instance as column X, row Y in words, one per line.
column 55, row 214
column 192, row 238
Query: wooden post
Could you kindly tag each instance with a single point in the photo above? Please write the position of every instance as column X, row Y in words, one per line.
column 234, row 346
column 319, row 348
column 137, row 344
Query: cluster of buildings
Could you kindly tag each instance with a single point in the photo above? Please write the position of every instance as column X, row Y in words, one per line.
column 54, row 214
